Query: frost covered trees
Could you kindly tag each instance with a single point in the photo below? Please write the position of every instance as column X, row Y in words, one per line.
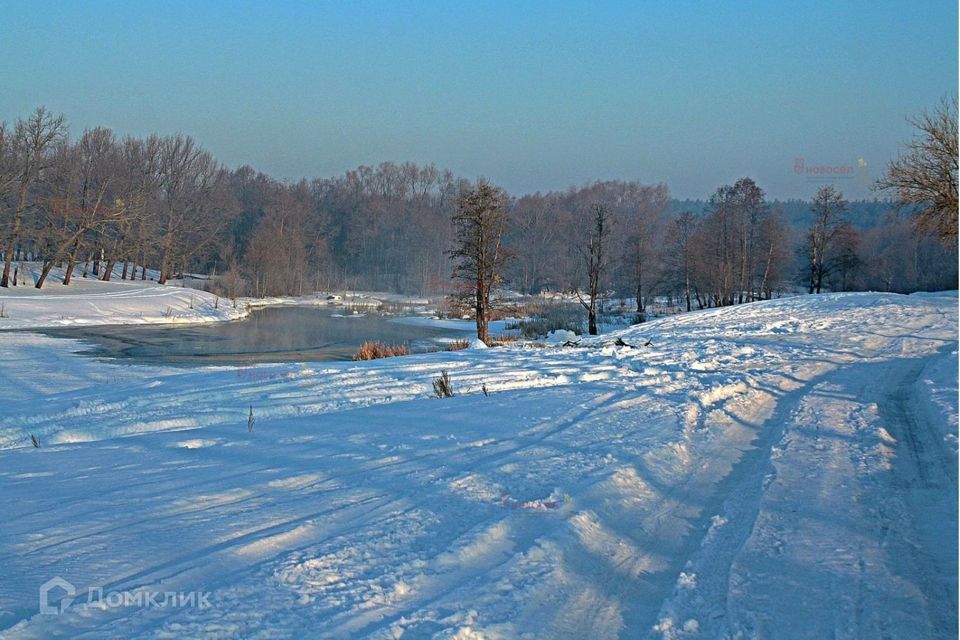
column 478, row 252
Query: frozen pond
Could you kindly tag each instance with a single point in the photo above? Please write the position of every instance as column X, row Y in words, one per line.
column 267, row 335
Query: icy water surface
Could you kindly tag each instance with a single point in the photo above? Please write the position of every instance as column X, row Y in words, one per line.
column 273, row 334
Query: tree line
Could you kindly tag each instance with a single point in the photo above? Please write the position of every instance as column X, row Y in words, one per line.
column 157, row 207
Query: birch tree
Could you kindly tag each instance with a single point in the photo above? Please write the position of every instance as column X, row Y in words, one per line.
column 595, row 259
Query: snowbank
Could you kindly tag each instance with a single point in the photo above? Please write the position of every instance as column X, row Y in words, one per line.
column 561, row 336
column 92, row 302
column 935, row 395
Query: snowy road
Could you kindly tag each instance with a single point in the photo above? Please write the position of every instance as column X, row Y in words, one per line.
column 783, row 469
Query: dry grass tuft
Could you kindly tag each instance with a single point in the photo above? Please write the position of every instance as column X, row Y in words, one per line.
column 374, row 350
column 457, row 345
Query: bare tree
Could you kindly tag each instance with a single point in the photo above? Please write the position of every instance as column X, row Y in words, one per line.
column 192, row 207
column 642, row 213
column 828, row 209
column 750, row 210
column 716, row 256
column 81, row 202
column 925, row 178
column 846, row 261
column 8, row 162
column 772, row 244
column 539, row 228
column 277, row 253
column 679, row 256
column 479, row 257
column 596, row 262
column 34, row 141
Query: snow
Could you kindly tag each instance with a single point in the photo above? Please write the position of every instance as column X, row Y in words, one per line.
column 561, row 336
column 88, row 301
column 92, row 302
column 784, row 468
column 935, row 393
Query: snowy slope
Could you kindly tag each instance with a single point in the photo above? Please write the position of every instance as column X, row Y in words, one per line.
column 779, row 469
column 88, row 301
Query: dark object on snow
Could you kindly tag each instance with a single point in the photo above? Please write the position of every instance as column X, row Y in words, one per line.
column 442, row 387
column 36, row 443
column 250, row 420
column 620, row 343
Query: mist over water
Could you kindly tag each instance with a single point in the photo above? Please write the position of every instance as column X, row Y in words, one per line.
column 279, row 334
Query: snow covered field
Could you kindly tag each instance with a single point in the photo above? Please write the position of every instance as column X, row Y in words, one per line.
column 778, row 469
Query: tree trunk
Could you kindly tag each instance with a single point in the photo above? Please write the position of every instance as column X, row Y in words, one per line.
column 482, row 306
column 641, row 312
column 108, row 269
column 14, row 234
column 68, row 274
column 58, row 255
column 71, row 263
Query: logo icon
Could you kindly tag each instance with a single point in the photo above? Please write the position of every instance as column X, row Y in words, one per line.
column 61, row 605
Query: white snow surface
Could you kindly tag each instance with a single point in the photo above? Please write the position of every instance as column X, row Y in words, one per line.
column 780, row 469
column 92, row 302
column 89, row 301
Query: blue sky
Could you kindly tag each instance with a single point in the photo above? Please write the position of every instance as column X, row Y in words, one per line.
column 533, row 95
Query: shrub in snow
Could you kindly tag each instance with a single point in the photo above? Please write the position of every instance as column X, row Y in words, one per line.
column 442, row 387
